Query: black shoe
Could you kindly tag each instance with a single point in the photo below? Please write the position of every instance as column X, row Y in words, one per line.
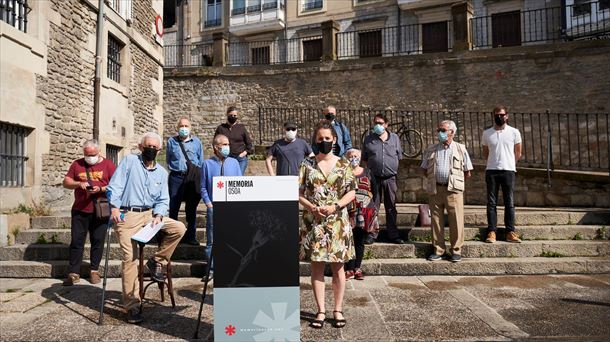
column 435, row 257
column 156, row 270
column 134, row 316
column 368, row 240
column 193, row 242
column 398, row 241
column 456, row 258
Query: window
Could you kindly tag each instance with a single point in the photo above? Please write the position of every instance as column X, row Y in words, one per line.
column 239, row 7
column 112, row 153
column 370, row 43
column 122, row 7
column 254, row 6
column 269, row 4
column 581, row 7
column 169, row 13
column 603, row 5
column 310, row 5
column 260, row 55
column 506, row 29
column 15, row 13
column 213, row 12
column 312, row 50
column 12, row 154
column 434, row 37
column 114, row 59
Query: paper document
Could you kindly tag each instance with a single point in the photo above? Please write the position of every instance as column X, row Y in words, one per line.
column 147, row 232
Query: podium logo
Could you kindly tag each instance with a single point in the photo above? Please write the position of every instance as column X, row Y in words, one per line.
column 220, row 185
column 229, row 330
column 234, row 186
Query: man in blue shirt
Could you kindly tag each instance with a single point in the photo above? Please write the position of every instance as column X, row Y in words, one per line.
column 138, row 189
column 181, row 188
column 344, row 141
column 218, row 165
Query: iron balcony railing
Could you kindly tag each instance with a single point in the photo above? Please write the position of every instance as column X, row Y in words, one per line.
column 279, row 51
column 188, row 55
column 568, row 141
column 396, row 40
column 212, row 22
column 15, row 13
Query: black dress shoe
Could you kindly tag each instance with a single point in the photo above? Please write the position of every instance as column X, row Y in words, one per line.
column 368, row 240
column 134, row 316
column 398, row 241
column 156, row 270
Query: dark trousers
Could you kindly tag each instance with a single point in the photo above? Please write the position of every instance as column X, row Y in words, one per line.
column 178, row 193
column 495, row 180
column 81, row 224
column 386, row 187
column 359, row 235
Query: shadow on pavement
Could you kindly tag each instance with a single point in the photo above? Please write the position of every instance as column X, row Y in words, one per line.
column 581, row 301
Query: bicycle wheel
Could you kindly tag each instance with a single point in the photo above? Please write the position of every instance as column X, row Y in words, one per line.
column 412, row 143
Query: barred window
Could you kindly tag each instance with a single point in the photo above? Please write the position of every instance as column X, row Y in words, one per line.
column 15, row 13
column 13, row 154
column 260, row 55
column 312, row 50
column 309, row 5
column 114, row 59
column 112, row 153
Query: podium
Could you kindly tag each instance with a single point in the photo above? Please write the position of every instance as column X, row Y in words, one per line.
column 256, row 263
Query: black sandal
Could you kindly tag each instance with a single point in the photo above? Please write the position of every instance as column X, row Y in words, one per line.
column 318, row 323
column 339, row 323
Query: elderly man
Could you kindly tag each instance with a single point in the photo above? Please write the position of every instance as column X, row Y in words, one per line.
column 344, row 140
column 88, row 176
column 501, row 149
column 446, row 164
column 382, row 151
column 139, row 190
column 218, row 165
column 289, row 152
column 182, row 150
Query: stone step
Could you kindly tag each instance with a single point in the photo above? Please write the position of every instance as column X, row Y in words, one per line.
column 390, row 267
column 471, row 249
column 407, row 216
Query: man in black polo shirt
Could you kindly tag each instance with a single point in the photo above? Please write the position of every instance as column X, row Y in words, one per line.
column 240, row 142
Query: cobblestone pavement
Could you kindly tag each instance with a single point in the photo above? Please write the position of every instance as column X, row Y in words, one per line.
column 381, row 308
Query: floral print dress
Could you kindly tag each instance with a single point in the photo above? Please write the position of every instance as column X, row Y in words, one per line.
column 328, row 239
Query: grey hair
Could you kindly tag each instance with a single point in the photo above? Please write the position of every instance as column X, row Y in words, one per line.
column 216, row 139
column 91, row 143
column 352, row 150
column 153, row 135
column 330, row 106
column 451, row 125
column 183, row 118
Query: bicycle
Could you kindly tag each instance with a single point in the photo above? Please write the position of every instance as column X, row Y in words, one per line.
column 410, row 139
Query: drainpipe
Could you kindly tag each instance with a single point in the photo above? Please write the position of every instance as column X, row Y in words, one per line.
column 98, row 70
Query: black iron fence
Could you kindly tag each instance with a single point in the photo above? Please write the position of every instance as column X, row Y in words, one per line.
column 188, row 55
column 15, row 13
column 279, row 51
column 570, row 141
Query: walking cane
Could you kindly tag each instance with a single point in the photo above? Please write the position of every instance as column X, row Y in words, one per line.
column 109, row 230
column 205, row 287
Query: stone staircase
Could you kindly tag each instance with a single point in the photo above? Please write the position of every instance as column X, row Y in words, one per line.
column 555, row 240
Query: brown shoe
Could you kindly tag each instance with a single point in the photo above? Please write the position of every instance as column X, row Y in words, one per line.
column 491, row 237
column 73, row 278
column 512, row 237
column 95, row 277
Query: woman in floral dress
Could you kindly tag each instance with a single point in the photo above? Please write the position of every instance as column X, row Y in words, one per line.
column 327, row 186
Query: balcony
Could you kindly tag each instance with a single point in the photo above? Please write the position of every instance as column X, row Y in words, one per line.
column 258, row 18
column 420, row 4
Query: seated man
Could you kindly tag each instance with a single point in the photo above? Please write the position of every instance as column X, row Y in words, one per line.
column 138, row 189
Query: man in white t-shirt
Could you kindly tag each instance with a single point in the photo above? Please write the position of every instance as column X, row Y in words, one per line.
column 501, row 148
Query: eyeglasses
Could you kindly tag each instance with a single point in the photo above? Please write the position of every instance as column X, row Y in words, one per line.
column 291, row 129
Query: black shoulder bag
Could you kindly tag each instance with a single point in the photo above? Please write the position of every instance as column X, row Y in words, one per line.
column 193, row 173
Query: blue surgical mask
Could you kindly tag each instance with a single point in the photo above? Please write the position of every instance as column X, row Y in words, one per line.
column 442, row 136
column 184, row 131
column 355, row 161
column 225, row 150
column 378, row 129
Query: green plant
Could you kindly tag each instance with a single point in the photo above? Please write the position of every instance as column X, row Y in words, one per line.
column 41, row 239
column 552, row 254
column 16, row 231
column 601, row 233
column 11, row 290
column 54, row 238
column 36, row 208
column 578, row 236
column 257, row 157
column 369, row 254
column 477, row 237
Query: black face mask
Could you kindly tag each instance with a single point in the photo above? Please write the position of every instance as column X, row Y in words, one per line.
column 325, row 147
column 149, row 154
column 329, row 116
column 232, row 119
column 499, row 120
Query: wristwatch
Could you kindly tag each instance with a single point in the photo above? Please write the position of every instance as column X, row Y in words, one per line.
column 337, row 207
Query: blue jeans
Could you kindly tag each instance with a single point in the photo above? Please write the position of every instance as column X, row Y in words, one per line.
column 178, row 193
column 243, row 164
column 495, row 180
column 209, row 235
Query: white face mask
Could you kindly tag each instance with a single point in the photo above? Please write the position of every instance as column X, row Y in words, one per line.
column 92, row 160
column 291, row 135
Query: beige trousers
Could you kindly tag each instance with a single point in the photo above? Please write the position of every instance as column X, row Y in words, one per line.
column 125, row 230
column 454, row 203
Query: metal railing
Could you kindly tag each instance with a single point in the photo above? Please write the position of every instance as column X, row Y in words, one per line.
column 569, row 141
column 188, row 55
column 540, row 26
column 279, row 51
column 212, row 22
column 394, row 41
column 15, row 13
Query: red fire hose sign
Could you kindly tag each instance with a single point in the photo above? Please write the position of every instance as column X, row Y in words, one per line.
column 159, row 26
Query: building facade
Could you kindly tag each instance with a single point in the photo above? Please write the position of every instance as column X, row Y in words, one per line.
column 47, row 65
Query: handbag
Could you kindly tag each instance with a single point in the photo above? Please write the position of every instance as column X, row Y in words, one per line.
column 193, row 172
column 101, row 205
column 424, row 215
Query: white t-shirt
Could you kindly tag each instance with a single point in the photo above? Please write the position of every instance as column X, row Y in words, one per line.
column 501, row 144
